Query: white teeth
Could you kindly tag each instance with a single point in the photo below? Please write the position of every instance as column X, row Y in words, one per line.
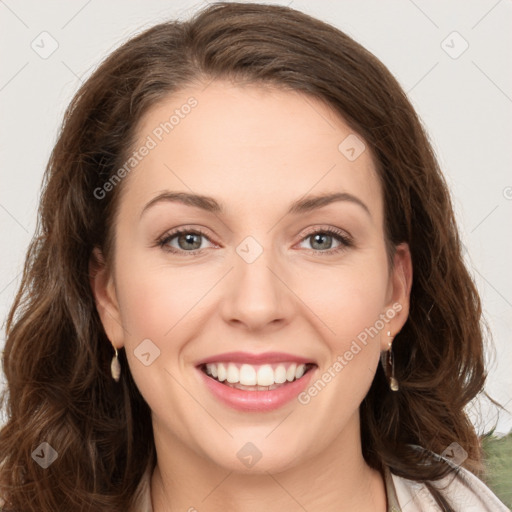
column 261, row 376
column 233, row 374
column 280, row 374
column 247, row 375
column 221, row 372
column 265, row 375
column 290, row 373
column 211, row 369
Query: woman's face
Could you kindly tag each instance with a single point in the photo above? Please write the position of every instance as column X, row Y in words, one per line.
column 256, row 283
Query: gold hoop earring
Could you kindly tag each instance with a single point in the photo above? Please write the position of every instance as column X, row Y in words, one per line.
column 393, row 383
column 115, row 367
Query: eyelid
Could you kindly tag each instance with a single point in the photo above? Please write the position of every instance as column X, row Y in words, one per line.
column 326, row 229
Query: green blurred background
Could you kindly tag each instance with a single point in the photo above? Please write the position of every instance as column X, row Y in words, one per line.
column 498, row 461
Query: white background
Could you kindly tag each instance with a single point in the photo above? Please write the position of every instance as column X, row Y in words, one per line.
column 464, row 102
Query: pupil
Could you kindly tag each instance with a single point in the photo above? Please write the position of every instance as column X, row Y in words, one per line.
column 320, row 237
column 189, row 239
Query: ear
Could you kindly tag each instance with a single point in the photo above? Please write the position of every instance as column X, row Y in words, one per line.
column 103, row 289
column 399, row 292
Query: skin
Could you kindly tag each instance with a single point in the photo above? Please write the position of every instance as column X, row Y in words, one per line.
column 255, row 150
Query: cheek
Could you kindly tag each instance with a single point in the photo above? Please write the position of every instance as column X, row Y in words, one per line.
column 156, row 304
column 350, row 303
column 153, row 299
column 348, row 299
column 347, row 304
column 147, row 311
column 162, row 309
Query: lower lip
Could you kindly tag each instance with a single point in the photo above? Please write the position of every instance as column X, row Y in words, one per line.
column 257, row 400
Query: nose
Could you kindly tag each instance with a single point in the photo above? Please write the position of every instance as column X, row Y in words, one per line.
column 256, row 294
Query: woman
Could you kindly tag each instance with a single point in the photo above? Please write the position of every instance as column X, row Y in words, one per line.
column 241, row 372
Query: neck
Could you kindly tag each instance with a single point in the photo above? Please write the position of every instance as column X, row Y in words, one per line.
column 334, row 479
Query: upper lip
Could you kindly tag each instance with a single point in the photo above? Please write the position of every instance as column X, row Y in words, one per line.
column 263, row 358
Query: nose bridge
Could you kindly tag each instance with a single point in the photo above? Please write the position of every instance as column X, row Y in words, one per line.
column 256, row 294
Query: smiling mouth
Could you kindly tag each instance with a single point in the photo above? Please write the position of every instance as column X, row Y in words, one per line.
column 247, row 377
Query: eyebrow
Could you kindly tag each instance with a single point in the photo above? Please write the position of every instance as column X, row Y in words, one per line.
column 209, row 204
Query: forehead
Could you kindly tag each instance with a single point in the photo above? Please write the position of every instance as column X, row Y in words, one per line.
column 250, row 146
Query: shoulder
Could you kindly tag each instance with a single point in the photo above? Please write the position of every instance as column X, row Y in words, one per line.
column 463, row 490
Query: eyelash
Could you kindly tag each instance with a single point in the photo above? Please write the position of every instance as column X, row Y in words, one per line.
column 341, row 236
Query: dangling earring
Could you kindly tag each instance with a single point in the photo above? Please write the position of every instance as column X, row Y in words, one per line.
column 393, row 383
column 115, row 367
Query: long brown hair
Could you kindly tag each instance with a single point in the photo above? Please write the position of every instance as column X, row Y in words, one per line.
column 57, row 356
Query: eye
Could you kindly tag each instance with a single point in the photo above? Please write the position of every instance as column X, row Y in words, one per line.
column 189, row 241
column 321, row 240
column 186, row 239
